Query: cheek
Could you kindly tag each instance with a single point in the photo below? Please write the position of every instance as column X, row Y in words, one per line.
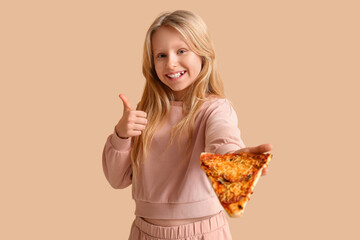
column 196, row 65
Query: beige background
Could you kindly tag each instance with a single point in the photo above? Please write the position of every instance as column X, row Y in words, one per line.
column 291, row 69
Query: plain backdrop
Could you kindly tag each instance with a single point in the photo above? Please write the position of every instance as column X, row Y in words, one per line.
column 290, row 68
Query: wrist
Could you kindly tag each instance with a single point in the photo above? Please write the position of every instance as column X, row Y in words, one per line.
column 117, row 134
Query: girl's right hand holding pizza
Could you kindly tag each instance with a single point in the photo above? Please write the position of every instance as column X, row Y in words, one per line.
column 132, row 123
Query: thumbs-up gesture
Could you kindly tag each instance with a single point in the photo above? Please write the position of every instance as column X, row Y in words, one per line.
column 132, row 123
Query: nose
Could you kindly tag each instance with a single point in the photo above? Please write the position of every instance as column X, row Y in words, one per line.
column 172, row 61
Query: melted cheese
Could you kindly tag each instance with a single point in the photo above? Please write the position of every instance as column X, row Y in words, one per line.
column 233, row 176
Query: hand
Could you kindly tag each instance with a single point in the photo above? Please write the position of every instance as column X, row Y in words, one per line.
column 258, row 149
column 132, row 123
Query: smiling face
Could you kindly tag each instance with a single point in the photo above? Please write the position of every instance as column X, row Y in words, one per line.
column 175, row 64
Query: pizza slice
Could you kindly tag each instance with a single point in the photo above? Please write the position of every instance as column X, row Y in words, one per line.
column 233, row 177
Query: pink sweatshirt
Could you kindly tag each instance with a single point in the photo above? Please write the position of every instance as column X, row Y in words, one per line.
column 169, row 185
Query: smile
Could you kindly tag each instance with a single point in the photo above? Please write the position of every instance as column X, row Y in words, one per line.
column 176, row 75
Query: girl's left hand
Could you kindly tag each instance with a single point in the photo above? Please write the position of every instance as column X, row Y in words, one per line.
column 263, row 148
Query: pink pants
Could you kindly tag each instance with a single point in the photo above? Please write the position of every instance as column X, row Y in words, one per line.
column 213, row 228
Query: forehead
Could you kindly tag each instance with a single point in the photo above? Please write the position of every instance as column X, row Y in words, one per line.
column 167, row 37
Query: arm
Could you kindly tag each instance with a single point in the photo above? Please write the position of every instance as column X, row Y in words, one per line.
column 116, row 158
column 116, row 161
column 222, row 134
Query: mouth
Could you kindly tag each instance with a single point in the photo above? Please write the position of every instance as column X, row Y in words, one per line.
column 175, row 75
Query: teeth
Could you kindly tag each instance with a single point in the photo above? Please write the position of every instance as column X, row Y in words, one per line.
column 176, row 75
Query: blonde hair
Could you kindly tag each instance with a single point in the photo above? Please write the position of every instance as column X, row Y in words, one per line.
column 156, row 97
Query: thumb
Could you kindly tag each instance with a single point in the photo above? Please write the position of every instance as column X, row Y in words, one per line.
column 125, row 102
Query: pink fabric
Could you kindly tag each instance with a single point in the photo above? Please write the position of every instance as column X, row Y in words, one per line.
column 213, row 228
column 170, row 184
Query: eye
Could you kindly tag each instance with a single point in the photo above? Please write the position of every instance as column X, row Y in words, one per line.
column 161, row 55
column 182, row 51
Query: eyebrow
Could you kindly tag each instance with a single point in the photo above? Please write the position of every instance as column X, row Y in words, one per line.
column 177, row 47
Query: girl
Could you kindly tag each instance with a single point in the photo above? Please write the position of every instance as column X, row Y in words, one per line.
column 157, row 147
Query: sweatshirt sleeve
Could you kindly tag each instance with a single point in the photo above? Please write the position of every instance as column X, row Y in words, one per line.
column 116, row 161
column 222, row 133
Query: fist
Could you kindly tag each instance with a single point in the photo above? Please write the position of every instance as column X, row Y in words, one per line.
column 132, row 123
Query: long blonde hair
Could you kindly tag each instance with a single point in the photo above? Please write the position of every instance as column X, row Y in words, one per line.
column 156, row 97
